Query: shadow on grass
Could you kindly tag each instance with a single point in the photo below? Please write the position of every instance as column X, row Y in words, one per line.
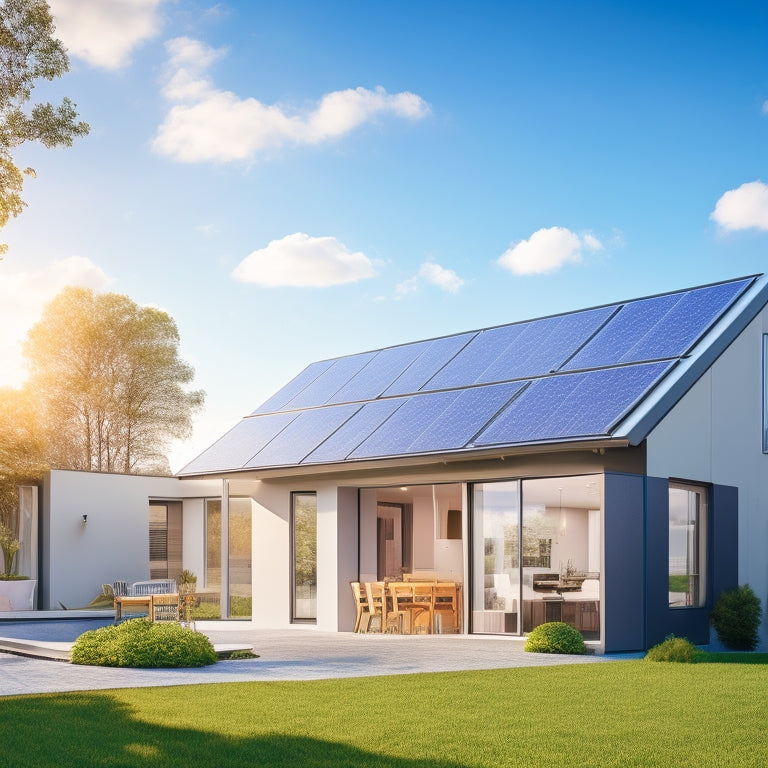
column 705, row 657
column 96, row 730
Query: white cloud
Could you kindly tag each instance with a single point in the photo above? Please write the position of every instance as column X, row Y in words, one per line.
column 743, row 208
column 299, row 260
column 429, row 272
column 103, row 33
column 208, row 124
column 546, row 250
column 22, row 298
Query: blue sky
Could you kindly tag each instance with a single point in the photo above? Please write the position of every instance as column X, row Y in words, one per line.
column 299, row 180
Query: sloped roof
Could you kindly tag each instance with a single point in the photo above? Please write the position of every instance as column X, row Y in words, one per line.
column 570, row 377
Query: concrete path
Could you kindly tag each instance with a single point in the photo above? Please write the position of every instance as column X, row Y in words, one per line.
column 296, row 654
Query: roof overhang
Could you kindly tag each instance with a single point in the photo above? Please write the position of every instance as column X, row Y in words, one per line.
column 638, row 425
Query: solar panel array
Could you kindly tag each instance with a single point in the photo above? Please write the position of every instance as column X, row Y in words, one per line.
column 557, row 378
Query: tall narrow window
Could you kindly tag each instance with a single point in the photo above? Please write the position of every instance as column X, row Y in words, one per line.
column 687, row 545
column 239, row 558
column 304, row 556
column 765, row 393
column 165, row 542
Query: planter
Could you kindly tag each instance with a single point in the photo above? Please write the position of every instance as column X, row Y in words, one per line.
column 17, row 595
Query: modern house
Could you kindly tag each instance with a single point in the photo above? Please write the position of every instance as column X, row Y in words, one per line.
column 606, row 467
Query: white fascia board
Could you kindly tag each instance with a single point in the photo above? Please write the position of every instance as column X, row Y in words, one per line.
column 639, row 424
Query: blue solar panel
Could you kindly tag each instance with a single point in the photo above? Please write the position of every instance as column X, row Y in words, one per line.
column 302, row 435
column 405, row 425
column 544, row 345
column 294, row 386
column 478, row 355
column 329, row 382
column 464, row 418
column 435, row 355
column 239, row 444
column 342, row 442
column 657, row 328
column 570, row 406
column 379, row 373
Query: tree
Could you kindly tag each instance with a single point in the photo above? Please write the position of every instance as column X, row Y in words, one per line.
column 109, row 383
column 21, row 462
column 29, row 52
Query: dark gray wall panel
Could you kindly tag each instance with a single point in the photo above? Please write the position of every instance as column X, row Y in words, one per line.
column 724, row 540
column 623, row 607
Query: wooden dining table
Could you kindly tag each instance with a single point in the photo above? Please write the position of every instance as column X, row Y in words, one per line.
column 412, row 605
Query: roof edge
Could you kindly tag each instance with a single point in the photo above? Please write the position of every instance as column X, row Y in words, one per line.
column 640, row 423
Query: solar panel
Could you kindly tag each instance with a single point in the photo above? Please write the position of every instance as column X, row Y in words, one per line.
column 544, row 345
column 574, row 405
column 478, row 355
column 434, row 356
column 302, row 435
column 379, row 373
column 342, row 442
column 405, row 425
column 329, row 382
column 658, row 327
column 294, row 386
column 236, row 447
column 464, row 418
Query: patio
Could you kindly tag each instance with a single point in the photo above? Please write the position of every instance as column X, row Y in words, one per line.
column 306, row 654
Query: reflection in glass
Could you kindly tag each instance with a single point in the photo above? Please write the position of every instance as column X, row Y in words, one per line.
column 552, row 571
column 687, row 530
column 495, row 577
column 304, row 556
column 239, row 558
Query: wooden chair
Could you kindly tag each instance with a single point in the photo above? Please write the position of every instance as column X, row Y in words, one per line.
column 363, row 618
column 376, row 595
column 445, row 606
column 421, row 621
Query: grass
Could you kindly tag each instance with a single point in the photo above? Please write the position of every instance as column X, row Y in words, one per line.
column 613, row 714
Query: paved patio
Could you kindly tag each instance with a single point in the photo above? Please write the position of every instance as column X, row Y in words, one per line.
column 296, row 654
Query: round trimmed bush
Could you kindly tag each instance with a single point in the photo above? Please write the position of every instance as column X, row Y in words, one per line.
column 142, row 643
column 736, row 618
column 678, row 649
column 555, row 637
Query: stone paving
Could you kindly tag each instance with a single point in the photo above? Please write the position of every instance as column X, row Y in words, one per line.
column 295, row 654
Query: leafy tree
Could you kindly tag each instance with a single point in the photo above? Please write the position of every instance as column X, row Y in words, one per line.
column 109, row 383
column 21, row 462
column 29, row 52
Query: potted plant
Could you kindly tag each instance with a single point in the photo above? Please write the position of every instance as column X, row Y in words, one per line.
column 16, row 592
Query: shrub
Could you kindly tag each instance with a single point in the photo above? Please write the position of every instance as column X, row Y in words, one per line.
column 736, row 618
column 678, row 649
column 555, row 637
column 242, row 654
column 141, row 643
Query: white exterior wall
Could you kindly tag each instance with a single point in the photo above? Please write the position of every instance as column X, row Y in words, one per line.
column 714, row 434
column 113, row 544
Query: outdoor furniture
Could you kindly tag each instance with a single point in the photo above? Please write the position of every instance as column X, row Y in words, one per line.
column 162, row 593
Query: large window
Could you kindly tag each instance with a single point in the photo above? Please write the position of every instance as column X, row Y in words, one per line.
column 687, row 545
column 304, row 556
column 238, row 565
column 536, row 553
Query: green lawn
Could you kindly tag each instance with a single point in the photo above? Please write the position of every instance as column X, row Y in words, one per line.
column 632, row 713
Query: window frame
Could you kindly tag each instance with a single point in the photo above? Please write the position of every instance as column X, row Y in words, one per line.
column 701, row 540
column 292, row 544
